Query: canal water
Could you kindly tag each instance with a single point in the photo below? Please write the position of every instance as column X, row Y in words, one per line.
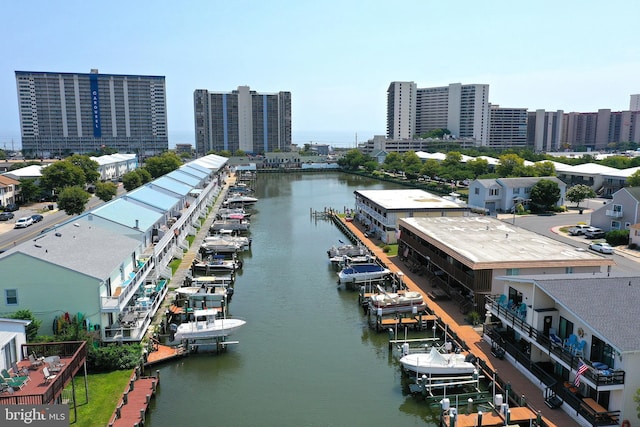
column 306, row 356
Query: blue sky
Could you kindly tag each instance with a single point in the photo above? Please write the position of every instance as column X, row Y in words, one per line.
column 337, row 58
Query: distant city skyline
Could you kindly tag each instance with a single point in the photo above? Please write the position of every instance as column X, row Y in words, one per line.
column 336, row 58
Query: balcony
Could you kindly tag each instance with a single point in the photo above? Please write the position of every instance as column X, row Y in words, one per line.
column 135, row 319
column 602, row 378
column 122, row 293
column 613, row 213
column 73, row 356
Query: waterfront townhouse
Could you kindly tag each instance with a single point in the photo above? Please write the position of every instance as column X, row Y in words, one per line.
column 109, row 266
column 465, row 255
column 569, row 322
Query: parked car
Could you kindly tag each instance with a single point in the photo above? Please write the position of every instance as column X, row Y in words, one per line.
column 6, row 216
column 24, row 222
column 594, row 233
column 602, row 247
column 37, row 218
column 578, row 230
column 11, row 207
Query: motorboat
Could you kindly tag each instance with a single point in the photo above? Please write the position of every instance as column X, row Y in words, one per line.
column 230, row 224
column 243, row 243
column 203, row 296
column 389, row 303
column 237, row 199
column 220, row 246
column 347, row 250
column 207, row 325
column 437, row 363
column 216, row 262
column 232, row 213
column 359, row 273
column 345, row 260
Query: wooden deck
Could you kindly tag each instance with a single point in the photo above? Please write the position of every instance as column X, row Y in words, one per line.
column 133, row 405
column 164, row 353
column 449, row 313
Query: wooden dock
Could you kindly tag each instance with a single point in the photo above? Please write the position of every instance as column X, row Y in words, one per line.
column 445, row 311
column 163, row 353
column 133, row 406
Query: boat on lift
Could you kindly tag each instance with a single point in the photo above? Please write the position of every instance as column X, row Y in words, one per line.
column 437, row 363
column 206, row 325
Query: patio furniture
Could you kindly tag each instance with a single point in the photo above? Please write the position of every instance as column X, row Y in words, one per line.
column 578, row 350
column 35, row 362
column 48, row 376
column 556, row 341
column 19, row 371
column 7, row 376
column 12, row 383
column 571, row 342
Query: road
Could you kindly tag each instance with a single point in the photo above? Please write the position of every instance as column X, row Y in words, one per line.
column 10, row 236
column 544, row 224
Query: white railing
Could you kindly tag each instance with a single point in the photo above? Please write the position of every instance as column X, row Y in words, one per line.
column 614, row 213
column 127, row 288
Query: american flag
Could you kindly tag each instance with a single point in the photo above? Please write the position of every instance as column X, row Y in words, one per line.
column 582, row 368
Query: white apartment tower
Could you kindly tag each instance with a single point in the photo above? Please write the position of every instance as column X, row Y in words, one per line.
column 463, row 109
column 401, row 110
column 544, row 130
column 634, row 105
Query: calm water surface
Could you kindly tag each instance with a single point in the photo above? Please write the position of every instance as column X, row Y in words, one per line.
column 306, row 356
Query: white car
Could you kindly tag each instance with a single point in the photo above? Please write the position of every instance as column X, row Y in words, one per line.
column 23, row 222
column 602, row 247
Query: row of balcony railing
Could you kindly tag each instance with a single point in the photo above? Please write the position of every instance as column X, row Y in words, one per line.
column 513, row 320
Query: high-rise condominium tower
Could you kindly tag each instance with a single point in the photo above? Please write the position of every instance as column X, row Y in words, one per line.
column 401, row 110
column 63, row 113
column 242, row 120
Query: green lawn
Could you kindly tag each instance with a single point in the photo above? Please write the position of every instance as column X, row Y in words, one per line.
column 105, row 391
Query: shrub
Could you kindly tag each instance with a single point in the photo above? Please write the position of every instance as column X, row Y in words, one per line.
column 633, row 246
column 618, row 237
column 114, row 357
column 386, row 249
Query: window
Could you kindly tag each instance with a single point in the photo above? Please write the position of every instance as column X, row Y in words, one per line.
column 11, row 296
column 615, row 225
column 494, row 192
column 476, row 191
column 568, row 270
column 513, row 271
column 516, row 191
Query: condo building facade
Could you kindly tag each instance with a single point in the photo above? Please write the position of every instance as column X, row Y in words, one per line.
column 462, row 109
column 243, row 120
column 65, row 113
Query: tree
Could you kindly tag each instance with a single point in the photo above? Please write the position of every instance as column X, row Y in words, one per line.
column 162, row 164
column 453, row 158
column 144, row 174
column 62, row 174
column 73, row 200
column 88, row 166
column 393, row 162
column 510, row 165
column 106, row 191
column 430, row 168
column 578, row 193
column 29, row 189
column 544, row 194
column 131, row 180
column 478, row 167
column 32, row 328
column 544, row 169
column 411, row 164
column 634, row 179
column 353, row 159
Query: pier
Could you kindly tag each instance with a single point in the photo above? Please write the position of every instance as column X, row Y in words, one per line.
column 134, row 403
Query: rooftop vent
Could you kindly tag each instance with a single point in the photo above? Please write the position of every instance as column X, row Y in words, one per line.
column 58, row 234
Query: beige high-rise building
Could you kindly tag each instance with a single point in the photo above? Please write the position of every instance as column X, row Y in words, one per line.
column 401, row 110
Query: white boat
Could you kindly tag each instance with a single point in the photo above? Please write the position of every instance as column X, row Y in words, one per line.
column 345, row 260
column 210, row 296
column 233, row 213
column 243, row 242
column 239, row 199
column 389, row 303
column 359, row 273
column 206, row 325
column 230, row 224
column 220, row 245
column 216, row 263
column 436, row 363
column 348, row 250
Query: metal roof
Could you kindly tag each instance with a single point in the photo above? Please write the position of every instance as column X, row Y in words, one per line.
column 128, row 213
column 398, row 200
column 153, row 197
